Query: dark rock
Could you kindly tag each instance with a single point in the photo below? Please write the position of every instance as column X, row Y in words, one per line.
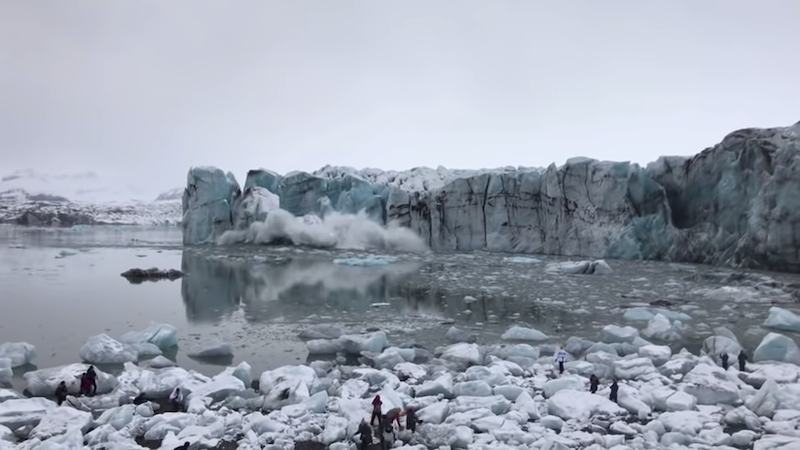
column 137, row 276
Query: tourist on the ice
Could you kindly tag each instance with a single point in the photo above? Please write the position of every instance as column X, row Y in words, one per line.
column 614, row 391
column 411, row 419
column 61, row 393
column 92, row 376
column 366, row 434
column 86, row 385
column 176, row 400
column 376, row 410
column 561, row 358
column 593, row 383
column 387, row 436
column 393, row 416
column 724, row 359
column 140, row 399
column 742, row 360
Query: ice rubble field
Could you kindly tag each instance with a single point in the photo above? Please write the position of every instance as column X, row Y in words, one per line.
column 470, row 396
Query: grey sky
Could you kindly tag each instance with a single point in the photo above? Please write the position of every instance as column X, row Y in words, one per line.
column 150, row 88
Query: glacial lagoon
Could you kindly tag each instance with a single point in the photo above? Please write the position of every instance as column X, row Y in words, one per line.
column 61, row 286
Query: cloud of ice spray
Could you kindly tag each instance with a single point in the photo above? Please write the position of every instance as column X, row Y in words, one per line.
column 335, row 230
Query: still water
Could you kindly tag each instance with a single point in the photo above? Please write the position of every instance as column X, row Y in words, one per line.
column 60, row 286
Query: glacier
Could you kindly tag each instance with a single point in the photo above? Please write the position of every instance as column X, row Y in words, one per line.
column 733, row 204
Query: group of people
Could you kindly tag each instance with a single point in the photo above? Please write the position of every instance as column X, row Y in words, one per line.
column 742, row 360
column 386, row 423
column 594, row 382
column 88, row 386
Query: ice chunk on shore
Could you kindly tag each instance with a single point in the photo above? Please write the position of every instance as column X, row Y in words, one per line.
column 20, row 353
column 43, row 382
column 659, row 327
column 102, row 349
column 518, row 333
column 710, row 385
column 717, row 345
column 160, row 334
column 463, row 354
column 613, row 334
column 782, row 319
column 58, row 421
column 22, row 412
column 212, row 348
column 659, row 354
column 577, row 405
column 777, row 347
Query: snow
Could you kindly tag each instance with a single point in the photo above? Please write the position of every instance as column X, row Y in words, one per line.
column 86, row 197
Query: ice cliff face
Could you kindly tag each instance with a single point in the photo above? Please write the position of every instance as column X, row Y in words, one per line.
column 737, row 203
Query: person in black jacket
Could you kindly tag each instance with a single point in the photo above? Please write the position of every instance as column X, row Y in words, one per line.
column 61, row 393
column 594, row 382
column 411, row 419
column 724, row 359
column 614, row 391
column 366, row 434
column 742, row 360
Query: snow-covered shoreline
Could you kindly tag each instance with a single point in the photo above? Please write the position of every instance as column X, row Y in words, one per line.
column 468, row 396
column 43, row 213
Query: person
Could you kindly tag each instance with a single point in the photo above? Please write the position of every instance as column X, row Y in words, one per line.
column 561, row 358
column 140, row 399
column 393, row 416
column 61, row 393
column 593, row 383
column 176, row 399
column 724, row 359
column 614, row 391
column 90, row 372
column 387, row 436
column 185, row 446
column 376, row 410
column 366, row 434
column 411, row 419
column 86, row 384
column 742, row 360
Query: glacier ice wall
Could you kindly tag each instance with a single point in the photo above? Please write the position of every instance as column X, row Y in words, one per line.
column 733, row 204
column 208, row 204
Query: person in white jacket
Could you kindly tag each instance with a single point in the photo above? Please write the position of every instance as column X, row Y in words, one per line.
column 176, row 400
column 561, row 358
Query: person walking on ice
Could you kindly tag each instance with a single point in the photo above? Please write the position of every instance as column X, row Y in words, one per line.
column 561, row 358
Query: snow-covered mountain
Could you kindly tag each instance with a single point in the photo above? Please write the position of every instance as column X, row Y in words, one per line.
column 29, row 197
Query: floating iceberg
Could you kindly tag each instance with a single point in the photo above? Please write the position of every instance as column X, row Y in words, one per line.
column 783, row 319
column 102, row 349
column 777, row 347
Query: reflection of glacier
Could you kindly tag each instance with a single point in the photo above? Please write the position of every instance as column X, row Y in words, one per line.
column 213, row 288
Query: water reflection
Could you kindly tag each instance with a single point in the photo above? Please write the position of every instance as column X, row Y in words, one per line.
column 289, row 289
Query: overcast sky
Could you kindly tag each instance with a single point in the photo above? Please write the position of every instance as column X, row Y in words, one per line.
column 149, row 88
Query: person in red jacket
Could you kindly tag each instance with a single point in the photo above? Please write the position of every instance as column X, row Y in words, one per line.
column 377, row 403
